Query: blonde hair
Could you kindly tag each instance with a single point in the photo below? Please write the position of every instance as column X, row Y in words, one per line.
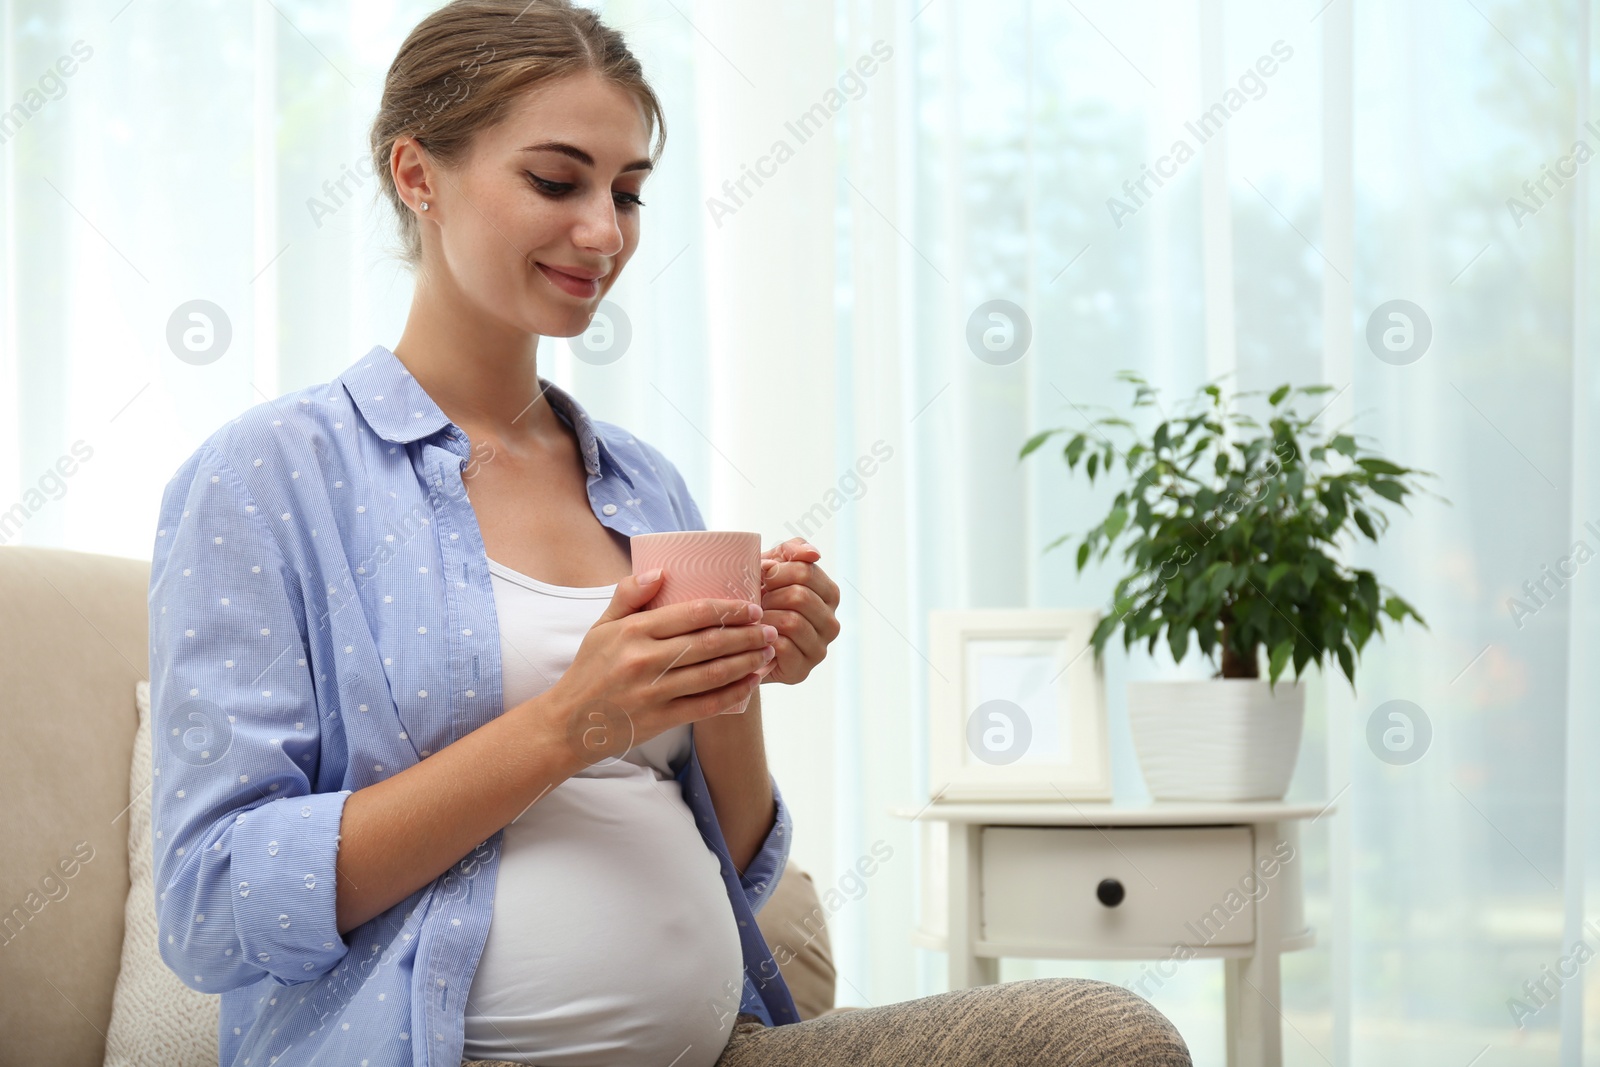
column 463, row 66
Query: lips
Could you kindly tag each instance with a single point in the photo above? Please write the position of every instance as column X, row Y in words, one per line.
column 578, row 272
column 575, row 281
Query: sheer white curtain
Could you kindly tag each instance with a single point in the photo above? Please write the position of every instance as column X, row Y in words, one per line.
column 1375, row 162
column 843, row 185
column 217, row 152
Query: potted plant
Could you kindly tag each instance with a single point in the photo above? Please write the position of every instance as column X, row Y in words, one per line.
column 1226, row 527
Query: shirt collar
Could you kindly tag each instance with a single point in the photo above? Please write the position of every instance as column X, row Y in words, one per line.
column 400, row 411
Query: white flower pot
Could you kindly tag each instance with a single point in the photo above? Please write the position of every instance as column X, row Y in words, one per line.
column 1222, row 739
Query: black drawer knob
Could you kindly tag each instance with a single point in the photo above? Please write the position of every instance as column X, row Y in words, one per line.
column 1110, row 892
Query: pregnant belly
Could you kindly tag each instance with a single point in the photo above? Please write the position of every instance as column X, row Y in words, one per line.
column 612, row 940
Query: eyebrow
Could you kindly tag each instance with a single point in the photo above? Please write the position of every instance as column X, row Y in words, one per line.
column 574, row 152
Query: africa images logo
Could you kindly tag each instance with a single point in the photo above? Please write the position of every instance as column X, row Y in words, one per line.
column 1251, row 85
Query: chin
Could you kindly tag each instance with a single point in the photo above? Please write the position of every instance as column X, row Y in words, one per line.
column 563, row 322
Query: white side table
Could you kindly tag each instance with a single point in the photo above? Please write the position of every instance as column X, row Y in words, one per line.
column 1165, row 881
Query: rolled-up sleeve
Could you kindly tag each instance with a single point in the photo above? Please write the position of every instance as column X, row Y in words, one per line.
column 761, row 876
column 244, row 851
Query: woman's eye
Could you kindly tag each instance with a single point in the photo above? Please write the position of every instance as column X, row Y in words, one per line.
column 555, row 189
column 548, row 187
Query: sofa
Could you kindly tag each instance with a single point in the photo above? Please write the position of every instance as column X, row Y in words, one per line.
column 75, row 627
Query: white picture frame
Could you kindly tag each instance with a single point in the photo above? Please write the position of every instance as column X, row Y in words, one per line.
column 1017, row 706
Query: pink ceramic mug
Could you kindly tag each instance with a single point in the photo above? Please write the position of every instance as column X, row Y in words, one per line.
column 723, row 564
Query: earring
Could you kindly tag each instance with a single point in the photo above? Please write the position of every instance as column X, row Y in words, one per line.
column 424, row 205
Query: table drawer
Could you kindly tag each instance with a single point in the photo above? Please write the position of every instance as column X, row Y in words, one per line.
column 1180, row 885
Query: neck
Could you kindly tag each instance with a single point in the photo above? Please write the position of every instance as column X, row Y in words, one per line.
column 482, row 376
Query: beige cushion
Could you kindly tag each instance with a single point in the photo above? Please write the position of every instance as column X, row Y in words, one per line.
column 156, row 1020
column 792, row 921
column 74, row 628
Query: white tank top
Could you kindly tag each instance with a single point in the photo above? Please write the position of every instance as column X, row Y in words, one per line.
column 612, row 941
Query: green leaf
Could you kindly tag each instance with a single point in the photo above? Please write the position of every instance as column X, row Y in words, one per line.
column 1359, row 625
column 1398, row 609
column 1103, row 629
column 1221, row 577
column 1074, row 449
column 1388, row 490
column 1343, row 443
column 1092, row 465
column 1142, row 515
column 1367, row 590
column 1364, row 521
column 1115, row 522
column 1374, row 465
column 1280, row 657
column 1178, row 641
column 1036, row 440
column 1278, row 394
column 1278, row 570
column 1347, row 663
column 1083, row 555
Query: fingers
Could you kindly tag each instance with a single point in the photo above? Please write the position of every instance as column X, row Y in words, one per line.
column 631, row 594
column 804, row 601
column 724, row 700
column 802, row 632
column 700, row 634
column 710, row 676
column 777, row 574
column 794, row 548
column 692, row 615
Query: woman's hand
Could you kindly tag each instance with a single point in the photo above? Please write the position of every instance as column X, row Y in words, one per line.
column 639, row 673
column 799, row 600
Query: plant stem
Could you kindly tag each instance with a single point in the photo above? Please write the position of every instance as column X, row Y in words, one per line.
column 1237, row 666
column 1233, row 664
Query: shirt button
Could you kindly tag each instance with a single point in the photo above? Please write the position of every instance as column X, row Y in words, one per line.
column 610, row 509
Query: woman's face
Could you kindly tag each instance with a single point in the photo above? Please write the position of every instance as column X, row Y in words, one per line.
column 537, row 223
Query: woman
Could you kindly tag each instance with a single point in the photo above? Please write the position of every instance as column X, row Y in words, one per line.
column 433, row 785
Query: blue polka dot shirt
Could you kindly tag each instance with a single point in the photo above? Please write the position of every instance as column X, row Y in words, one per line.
column 321, row 617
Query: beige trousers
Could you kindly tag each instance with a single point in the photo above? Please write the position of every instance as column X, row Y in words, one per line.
column 1039, row 1022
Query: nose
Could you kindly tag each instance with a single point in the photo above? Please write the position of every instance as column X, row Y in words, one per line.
column 597, row 229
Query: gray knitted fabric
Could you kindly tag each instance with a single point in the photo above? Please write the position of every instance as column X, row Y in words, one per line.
column 1038, row 1022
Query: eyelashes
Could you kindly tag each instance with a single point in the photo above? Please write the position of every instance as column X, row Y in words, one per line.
column 556, row 190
